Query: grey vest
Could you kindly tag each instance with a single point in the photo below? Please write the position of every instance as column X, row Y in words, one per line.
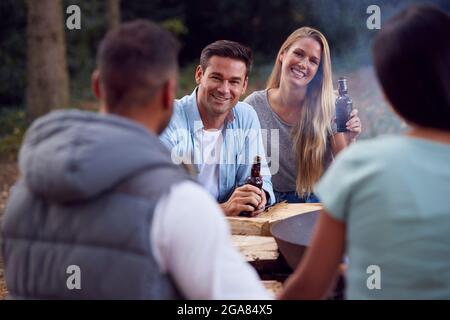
column 104, row 239
column 108, row 238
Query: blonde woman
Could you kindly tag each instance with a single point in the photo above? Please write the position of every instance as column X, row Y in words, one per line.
column 299, row 102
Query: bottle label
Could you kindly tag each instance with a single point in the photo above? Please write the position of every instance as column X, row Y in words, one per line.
column 343, row 110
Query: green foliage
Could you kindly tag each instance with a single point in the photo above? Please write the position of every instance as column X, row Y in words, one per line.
column 186, row 80
column 176, row 26
column 81, row 46
column 12, row 130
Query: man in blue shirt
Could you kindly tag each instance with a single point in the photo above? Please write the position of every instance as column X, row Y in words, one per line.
column 218, row 135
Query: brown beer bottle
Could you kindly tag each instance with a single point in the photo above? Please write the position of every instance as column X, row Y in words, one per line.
column 255, row 178
column 344, row 105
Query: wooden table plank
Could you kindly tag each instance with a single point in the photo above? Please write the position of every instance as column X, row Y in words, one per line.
column 274, row 287
column 260, row 225
column 256, row 248
column 262, row 253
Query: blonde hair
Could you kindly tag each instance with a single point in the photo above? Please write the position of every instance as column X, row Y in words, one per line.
column 311, row 132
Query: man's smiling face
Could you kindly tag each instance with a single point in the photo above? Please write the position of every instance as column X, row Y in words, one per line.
column 221, row 85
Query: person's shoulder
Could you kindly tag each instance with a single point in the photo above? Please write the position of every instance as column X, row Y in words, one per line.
column 179, row 105
column 374, row 160
column 245, row 114
column 179, row 115
column 195, row 200
column 256, row 98
column 384, row 143
column 187, row 188
column 384, row 150
column 244, row 107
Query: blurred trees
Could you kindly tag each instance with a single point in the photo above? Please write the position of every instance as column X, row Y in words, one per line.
column 46, row 56
column 113, row 13
column 13, row 21
column 82, row 45
column 262, row 25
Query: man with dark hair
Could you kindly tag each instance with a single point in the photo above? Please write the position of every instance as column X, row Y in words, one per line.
column 219, row 135
column 227, row 49
column 101, row 212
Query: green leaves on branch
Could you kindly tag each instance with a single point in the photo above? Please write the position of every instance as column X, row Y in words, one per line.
column 176, row 26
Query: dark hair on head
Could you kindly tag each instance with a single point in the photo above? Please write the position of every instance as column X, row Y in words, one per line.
column 134, row 60
column 412, row 61
column 227, row 49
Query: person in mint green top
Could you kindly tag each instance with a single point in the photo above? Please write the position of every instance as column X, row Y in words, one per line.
column 387, row 201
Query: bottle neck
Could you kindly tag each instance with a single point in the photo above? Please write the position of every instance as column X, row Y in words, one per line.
column 342, row 87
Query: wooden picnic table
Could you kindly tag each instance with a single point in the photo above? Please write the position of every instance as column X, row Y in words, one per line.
column 260, row 225
column 251, row 236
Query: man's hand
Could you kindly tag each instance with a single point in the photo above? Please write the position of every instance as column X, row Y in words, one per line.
column 245, row 198
column 261, row 206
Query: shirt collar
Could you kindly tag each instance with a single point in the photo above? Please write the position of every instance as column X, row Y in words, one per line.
column 193, row 114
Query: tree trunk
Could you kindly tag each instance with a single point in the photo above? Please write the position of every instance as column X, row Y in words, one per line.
column 113, row 13
column 48, row 83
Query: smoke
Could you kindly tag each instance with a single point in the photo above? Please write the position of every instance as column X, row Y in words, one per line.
column 345, row 22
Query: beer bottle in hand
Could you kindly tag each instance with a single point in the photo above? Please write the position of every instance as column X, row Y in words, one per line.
column 255, row 178
column 344, row 105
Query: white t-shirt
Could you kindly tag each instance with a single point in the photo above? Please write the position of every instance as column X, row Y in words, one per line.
column 211, row 142
column 191, row 240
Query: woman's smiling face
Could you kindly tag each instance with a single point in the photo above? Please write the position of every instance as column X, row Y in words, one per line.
column 301, row 61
